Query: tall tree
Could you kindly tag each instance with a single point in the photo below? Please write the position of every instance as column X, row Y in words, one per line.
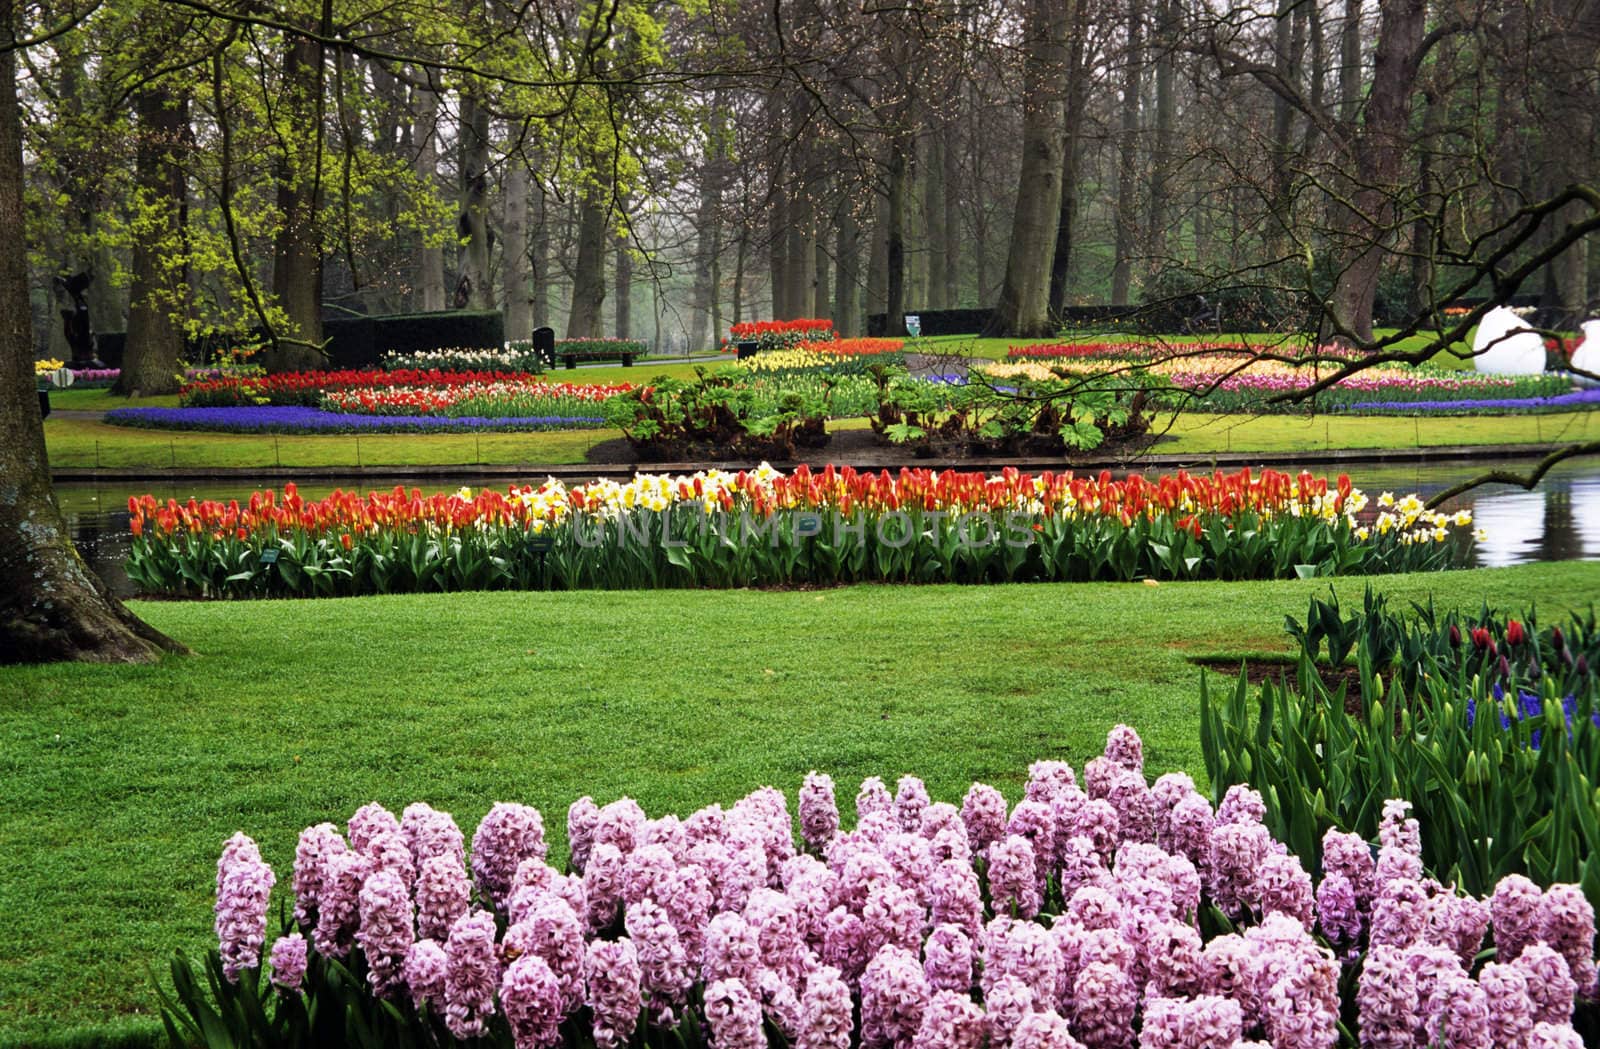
column 155, row 336
column 1024, row 306
column 51, row 606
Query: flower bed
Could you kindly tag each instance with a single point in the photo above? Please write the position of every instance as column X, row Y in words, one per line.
column 599, row 349
column 1576, row 400
column 513, row 358
column 1083, row 917
column 290, row 419
column 765, row 528
column 782, row 335
column 510, row 398
column 856, row 347
column 307, row 388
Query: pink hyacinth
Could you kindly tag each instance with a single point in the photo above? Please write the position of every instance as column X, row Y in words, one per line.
column 1458, row 922
column 1103, row 1005
column 947, row 959
column 583, row 816
column 1013, row 878
column 1082, row 866
column 1007, row 1001
column 1048, row 780
column 734, row 1016
column 1238, row 849
column 369, row 821
column 894, row 994
column 872, row 797
column 1169, row 789
column 1387, row 1000
column 530, row 996
column 472, row 975
column 1207, row 1022
column 602, row 883
column 1124, row 747
column 426, row 970
column 687, row 897
column 1046, row 1030
column 1035, row 821
column 1459, row 1016
column 1098, row 821
column 670, row 834
column 663, row 964
column 937, row 817
column 643, row 869
column 1554, row 1036
column 1338, row 914
column 338, row 908
column 1026, row 951
column 1566, row 924
column 1284, row 887
column 705, row 824
column 912, row 860
column 951, row 1020
column 508, row 834
column 766, row 811
column 892, row 915
column 780, row 1003
column 1510, row 1010
column 1349, row 856
column 1399, row 914
column 732, row 951
column 1515, row 910
column 620, row 823
column 1241, row 804
column 443, row 894
column 1395, row 864
column 385, row 931
column 288, row 960
column 983, row 811
column 1176, row 962
column 910, row 798
column 551, row 930
column 1551, row 989
column 1192, row 823
column 826, row 1012
column 244, row 887
column 388, row 851
column 613, row 990
column 310, row 864
column 955, row 896
column 819, row 811
column 1396, row 828
column 429, row 832
column 844, row 944
column 1136, row 807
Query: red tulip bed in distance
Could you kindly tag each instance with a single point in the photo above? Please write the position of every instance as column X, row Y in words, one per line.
column 1097, row 915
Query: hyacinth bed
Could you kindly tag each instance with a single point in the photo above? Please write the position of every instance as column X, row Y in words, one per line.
column 290, row 419
column 1100, row 915
column 762, row 527
column 1230, row 377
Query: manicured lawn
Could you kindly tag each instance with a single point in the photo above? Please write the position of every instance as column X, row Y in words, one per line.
column 121, row 784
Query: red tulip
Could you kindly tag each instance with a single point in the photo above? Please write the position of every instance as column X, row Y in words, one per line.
column 1515, row 635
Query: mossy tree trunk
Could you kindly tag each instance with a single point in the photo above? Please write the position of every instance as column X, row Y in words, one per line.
column 155, row 338
column 51, row 606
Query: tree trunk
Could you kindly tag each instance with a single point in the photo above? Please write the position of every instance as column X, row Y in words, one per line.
column 778, row 247
column 430, row 260
column 878, row 258
column 1077, row 100
column 1350, row 62
column 51, row 606
column 1166, row 30
column 297, row 250
column 824, row 298
column 624, row 285
column 155, row 338
column 847, row 265
column 519, row 306
column 938, row 233
column 1024, row 306
column 741, row 253
column 894, row 304
column 708, row 234
column 473, row 290
column 1366, row 213
column 589, row 273
column 952, row 221
column 541, row 261
column 1128, row 158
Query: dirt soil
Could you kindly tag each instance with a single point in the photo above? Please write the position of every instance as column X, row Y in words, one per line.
column 1285, row 674
column 863, row 449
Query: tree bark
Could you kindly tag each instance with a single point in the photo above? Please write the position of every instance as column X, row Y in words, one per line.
column 52, row 608
column 1077, row 100
column 624, row 285
column 541, row 261
column 847, row 265
column 778, row 246
column 1367, row 209
column 1128, row 158
column 514, row 270
column 708, row 233
column 430, row 260
column 1166, row 118
column 1024, row 306
column 297, row 250
column 473, row 290
column 894, row 303
column 938, row 232
column 589, row 273
column 155, row 338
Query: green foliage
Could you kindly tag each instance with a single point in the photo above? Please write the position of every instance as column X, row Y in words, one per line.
column 1488, row 729
column 720, row 415
column 599, row 349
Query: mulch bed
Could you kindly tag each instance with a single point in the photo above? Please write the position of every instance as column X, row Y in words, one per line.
column 1286, row 675
column 863, row 449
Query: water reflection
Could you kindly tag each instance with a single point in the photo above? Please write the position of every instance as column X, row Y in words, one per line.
column 1558, row 521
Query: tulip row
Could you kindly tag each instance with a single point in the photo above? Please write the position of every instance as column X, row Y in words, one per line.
column 520, row 397
column 764, row 528
column 1085, row 916
column 783, row 335
column 307, row 389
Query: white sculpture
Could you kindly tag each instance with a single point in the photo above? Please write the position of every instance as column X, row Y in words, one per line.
column 1505, row 345
column 1586, row 355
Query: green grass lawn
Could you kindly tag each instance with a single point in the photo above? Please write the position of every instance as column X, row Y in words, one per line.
column 121, row 784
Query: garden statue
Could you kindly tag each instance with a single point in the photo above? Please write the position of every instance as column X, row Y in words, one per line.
column 1586, row 355
column 1505, row 345
column 75, row 321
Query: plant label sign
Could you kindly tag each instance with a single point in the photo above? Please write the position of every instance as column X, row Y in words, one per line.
column 913, row 324
column 269, row 556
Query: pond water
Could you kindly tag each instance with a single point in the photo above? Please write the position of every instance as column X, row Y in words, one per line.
column 1558, row 521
